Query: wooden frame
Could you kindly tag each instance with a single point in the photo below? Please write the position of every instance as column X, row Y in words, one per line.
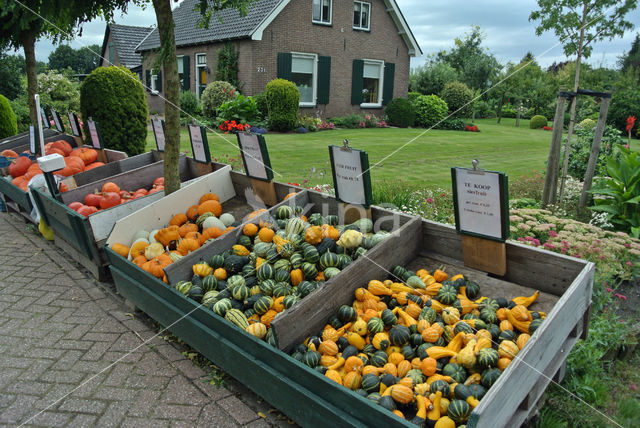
column 366, row 175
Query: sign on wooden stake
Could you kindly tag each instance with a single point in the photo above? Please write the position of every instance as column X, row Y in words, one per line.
column 257, row 165
column 158, row 132
column 75, row 124
column 352, row 181
column 94, row 133
column 57, row 121
column 199, row 144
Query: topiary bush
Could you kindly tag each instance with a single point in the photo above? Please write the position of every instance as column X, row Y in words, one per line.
column 189, row 104
column 412, row 96
column 282, row 103
column 401, row 113
column 214, row 95
column 458, row 97
column 114, row 97
column 430, row 109
column 537, row 122
column 8, row 121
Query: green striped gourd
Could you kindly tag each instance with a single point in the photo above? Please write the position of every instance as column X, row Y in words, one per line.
column 238, row 318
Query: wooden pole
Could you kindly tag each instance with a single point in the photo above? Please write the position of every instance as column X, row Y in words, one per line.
column 551, row 176
column 518, row 112
column 500, row 108
column 595, row 150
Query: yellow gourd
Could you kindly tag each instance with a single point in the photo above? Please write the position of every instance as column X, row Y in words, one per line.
column 467, row 356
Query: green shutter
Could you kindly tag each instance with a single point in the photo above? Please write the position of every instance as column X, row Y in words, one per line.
column 186, row 72
column 111, row 53
column 389, row 75
column 159, row 82
column 356, row 82
column 324, row 79
column 147, row 80
column 284, row 65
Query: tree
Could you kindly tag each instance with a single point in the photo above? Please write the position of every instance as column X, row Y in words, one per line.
column 64, row 56
column 88, row 59
column 24, row 22
column 11, row 72
column 431, row 77
column 631, row 59
column 578, row 24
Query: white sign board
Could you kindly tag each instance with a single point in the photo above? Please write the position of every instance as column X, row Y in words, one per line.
column 57, row 121
column 158, row 132
column 45, row 120
column 74, row 124
column 200, row 151
column 351, row 177
column 252, row 156
column 93, row 132
column 479, row 202
column 32, row 139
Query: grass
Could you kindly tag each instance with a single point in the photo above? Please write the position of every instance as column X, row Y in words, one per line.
column 425, row 160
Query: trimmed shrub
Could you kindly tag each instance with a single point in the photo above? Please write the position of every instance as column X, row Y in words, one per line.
column 282, row 103
column 587, row 124
column 412, row 96
column 261, row 104
column 537, row 122
column 241, row 109
column 114, row 97
column 430, row 109
column 452, row 124
column 189, row 104
column 214, row 95
column 458, row 97
column 401, row 113
column 8, row 121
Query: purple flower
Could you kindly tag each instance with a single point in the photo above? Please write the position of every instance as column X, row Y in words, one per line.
column 429, row 200
column 620, row 296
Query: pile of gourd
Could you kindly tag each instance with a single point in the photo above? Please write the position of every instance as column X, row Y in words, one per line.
column 275, row 263
column 422, row 345
column 186, row 232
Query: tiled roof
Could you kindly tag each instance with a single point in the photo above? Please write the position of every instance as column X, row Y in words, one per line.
column 126, row 38
column 233, row 25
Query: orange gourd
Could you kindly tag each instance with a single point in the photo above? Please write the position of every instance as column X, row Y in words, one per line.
column 391, row 369
column 296, row 277
column 353, row 364
column 168, row 236
column 138, row 248
column 267, row 317
column 209, row 197
column 210, row 206
column 186, row 228
column 121, row 249
column 396, row 358
column 139, row 260
column 211, row 233
column 250, row 230
column 187, row 245
column 403, row 368
column 428, row 366
column 352, row 379
column 313, row 235
column 440, row 275
column 221, row 274
column 192, row 212
column 178, row 220
column 330, row 232
column 266, row 234
column 155, row 267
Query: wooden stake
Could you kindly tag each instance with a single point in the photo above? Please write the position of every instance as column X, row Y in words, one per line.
column 349, row 213
column 595, row 150
column 484, row 254
column 265, row 190
column 551, row 176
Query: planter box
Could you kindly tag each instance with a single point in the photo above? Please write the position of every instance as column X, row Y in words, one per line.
column 312, row 399
column 21, row 141
column 82, row 237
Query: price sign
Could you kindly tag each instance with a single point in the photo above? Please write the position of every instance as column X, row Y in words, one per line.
column 255, row 156
column 75, row 124
column 481, row 201
column 158, row 132
column 57, row 121
column 199, row 144
column 45, row 119
column 33, row 139
column 95, row 134
column 351, row 177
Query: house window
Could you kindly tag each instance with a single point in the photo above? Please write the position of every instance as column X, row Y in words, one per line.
column 361, row 13
column 181, row 70
column 322, row 11
column 304, row 75
column 112, row 53
column 201, row 73
column 372, row 76
column 154, row 83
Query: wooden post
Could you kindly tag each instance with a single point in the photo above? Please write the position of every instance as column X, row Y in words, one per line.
column 265, row 190
column 595, row 150
column 500, row 107
column 484, row 254
column 518, row 113
column 551, row 176
column 348, row 213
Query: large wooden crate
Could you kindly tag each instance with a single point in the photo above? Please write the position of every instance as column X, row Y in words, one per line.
column 82, row 237
column 311, row 399
column 22, row 140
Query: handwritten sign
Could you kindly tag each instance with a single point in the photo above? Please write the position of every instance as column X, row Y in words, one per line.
column 95, row 136
column 45, row 119
column 351, row 177
column 33, row 139
column 158, row 131
column 480, row 202
column 57, row 121
column 255, row 156
column 75, row 125
column 199, row 144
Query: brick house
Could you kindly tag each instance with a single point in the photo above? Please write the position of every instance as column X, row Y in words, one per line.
column 119, row 46
column 343, row 55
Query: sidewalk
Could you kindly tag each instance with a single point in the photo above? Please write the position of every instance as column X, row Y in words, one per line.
column 61, row 332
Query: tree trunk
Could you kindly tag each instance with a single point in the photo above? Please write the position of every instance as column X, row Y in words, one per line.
column 29, row 45
column 574, row 102
column 500, row 107
column 551, row 176
column 170, row 85
column 518, row 112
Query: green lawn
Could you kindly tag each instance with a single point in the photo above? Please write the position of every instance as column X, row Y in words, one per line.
column 424, row 161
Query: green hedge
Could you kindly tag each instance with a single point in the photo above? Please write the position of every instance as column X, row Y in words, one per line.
column 459, row 99
column 430, row 109
column 114, row 97
column 282, row 103
column 537, row 122
column 8, row 121
column 400, row 112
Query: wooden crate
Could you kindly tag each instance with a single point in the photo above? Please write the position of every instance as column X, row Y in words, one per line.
column 311, row 399
column 82, row 237
column 21, row 141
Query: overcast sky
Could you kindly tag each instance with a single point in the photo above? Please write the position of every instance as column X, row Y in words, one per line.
column 435, row 23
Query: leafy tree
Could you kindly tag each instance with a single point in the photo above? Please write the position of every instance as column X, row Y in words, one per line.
column 578, row 24
column 88, row 59
column 431, row 77
column 11, row 72
column 631, row 59
column 64, row 56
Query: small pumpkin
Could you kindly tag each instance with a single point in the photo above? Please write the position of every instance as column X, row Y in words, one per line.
column 187, row 228
column 178, row 219
column 202, row 269
column 297, row 276
column 153, row 250
column 220, row 274
column 137, row 249
column 187, row 245
column 210, row 206
column 250, row 230
column 209, row 197
column 313, row 235
column 121, row 249
column 168, row 236
column 266, row 234
column 192, row 212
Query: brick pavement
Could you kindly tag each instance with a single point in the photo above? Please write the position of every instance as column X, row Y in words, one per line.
column 61, row 332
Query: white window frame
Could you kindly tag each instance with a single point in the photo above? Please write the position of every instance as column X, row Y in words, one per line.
column 180, row 61
column 314, row 78
column 198, row 67
column 320, row 21
column 368, row 27
column 154, row 84
column 380, row 84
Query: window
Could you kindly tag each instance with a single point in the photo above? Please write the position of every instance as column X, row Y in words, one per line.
column 201, row 73
column 372, row 76
column 361, row 12
column 154, row 83
column 304, row 75
column 322, row 11
column 112, row 53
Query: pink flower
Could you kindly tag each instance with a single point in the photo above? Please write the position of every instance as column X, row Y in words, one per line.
column 610, row 290
column 553, row 234
column 633, row 387
column 629, row 263
column 429, row 200
column 626, row 146
column 620, row 296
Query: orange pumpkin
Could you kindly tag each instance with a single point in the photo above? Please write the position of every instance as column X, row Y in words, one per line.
column 121, row 249
column 187, row 245
column 266, row 234
column 296, row 276
column 428, row 366
column 139, row 260
column 267, row 317
column 210, row 206
column 192, row 212
column 221, row 274
column 313, row 235
column 87, row 154
column 278, row 304
column 211, row 233
column 353, row 364
column 187, row 228
column 178, row 220
column 168, row 236
column 138, row 248
column 155, row 267
column 209, row 197
column 250, row 230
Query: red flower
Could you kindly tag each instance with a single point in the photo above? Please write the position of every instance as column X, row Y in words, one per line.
column 631, row 120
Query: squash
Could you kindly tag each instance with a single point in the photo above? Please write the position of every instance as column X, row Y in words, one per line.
column 467, row 356
column 334, row 376
column 401, row 394
column 313, row 235
column 211, row 206
column 168, row 236
column 350, row 239
column 138, row 248
column 257, row 329
column 202, row 269
column 178, row 219
column 520, row 313
column 212, row 221
column 428, row 366
column 522, row 340
column 121, row 249
column 153, row 250
column 250, row 230
column 187, row 245
column 526, row 301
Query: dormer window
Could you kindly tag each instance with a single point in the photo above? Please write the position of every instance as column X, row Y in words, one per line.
column 361, row 13
column 322, row 12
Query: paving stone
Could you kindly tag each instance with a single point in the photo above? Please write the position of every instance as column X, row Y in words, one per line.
column 82, row 420
column 116, row 394
column 145, row 423
column 28, row 387
column 213, row 415
column 258, row 423
column 113, row 415
column 177, row 411
column 82, row 405
column 189, row 369
column 238, row 410
column 189, row 394
column 145, row 402
column 51, row 419
column 16, row 411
